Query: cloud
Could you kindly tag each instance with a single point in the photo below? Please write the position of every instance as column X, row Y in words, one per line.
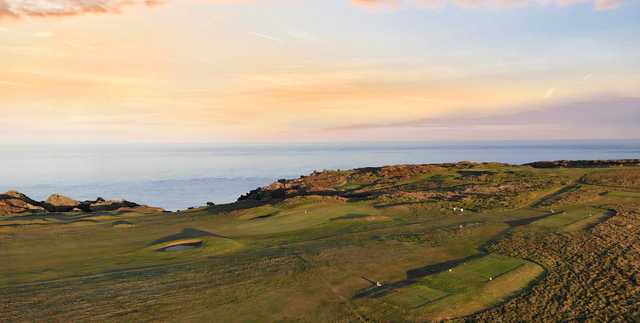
column 585, row 113
column 598, row 5
column 48, row 8
column 43, row 34
column 4, row 9
column 602, row 5
column 549, row 94
column 265, row 36
column 12, row 84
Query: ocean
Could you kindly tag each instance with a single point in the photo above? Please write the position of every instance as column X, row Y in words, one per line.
column 177, row 176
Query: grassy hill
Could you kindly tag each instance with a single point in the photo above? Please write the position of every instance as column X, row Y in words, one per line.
column 465, row 241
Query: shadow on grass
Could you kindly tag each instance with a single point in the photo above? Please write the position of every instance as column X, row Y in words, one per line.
column 239, row 205
column 121, row 222
column 413, row 275
column 262, row 217
column 350, row 216
column 526, row 221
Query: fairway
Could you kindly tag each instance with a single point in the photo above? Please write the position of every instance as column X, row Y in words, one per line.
column 416, row 296
column 624, row 194
column 571, row 219
column 477, row 284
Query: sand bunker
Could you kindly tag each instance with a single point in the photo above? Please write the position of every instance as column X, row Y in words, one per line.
column 182, row 245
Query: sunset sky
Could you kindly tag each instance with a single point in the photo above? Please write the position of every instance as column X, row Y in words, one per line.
column 119, row 71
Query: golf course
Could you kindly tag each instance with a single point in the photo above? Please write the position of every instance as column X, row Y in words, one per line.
column 462, row 241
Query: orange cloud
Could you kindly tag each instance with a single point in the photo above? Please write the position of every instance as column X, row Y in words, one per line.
column 48, row 8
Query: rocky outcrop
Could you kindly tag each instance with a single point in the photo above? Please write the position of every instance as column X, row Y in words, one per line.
column 101, row 204
column 13, row 202
column 61, row 203
column 337, row 183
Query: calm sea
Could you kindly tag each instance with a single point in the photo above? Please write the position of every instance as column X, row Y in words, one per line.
column 179, row 176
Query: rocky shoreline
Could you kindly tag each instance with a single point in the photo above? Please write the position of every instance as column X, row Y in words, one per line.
column 318, row 183
column 16, row 203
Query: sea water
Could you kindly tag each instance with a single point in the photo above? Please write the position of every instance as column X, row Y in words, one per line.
column 177, row 176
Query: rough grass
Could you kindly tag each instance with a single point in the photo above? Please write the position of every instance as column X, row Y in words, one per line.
column 623, row 178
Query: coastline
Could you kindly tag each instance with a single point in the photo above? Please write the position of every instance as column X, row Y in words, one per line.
column 280, row 189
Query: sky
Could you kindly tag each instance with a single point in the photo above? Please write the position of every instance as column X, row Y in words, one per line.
column 153, row 71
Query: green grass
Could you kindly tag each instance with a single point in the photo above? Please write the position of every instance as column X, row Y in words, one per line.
column 470, row 287
column 624, row 194
column 250, row 263
column 570, row 218
column 472, row 275
column 288, row 218
column 416, row 296
column 350, row 187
